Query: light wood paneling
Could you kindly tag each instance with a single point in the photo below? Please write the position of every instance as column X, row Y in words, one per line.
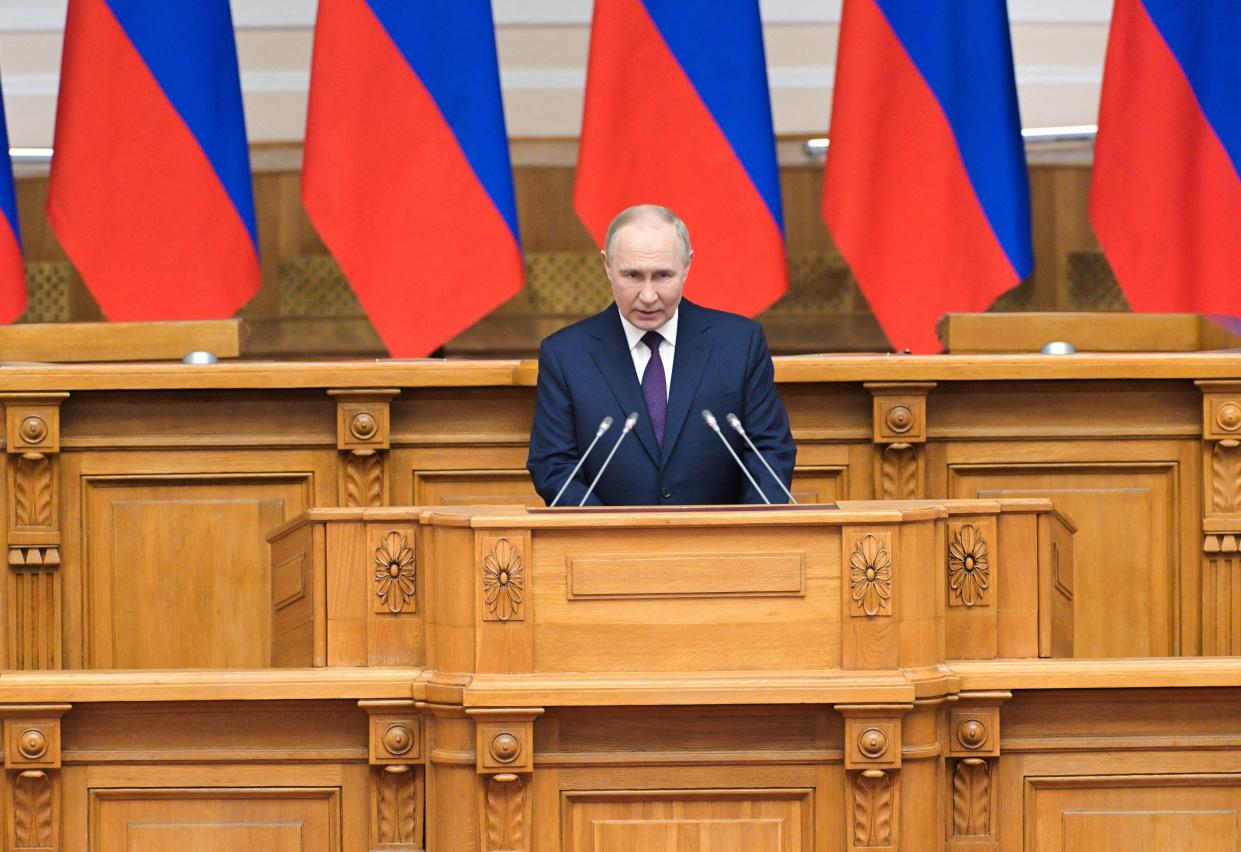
column 686, row 821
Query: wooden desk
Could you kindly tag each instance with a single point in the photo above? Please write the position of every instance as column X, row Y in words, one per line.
column 137, row 497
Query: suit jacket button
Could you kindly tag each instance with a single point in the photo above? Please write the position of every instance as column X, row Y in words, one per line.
column 664, row 492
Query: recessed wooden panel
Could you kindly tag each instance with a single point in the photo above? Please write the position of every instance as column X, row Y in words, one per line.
column 177, row 569
column 687, row 575
column 475, row 488
column 1172, row 813
column 1124, row 550
column 721, row 631
column 689, row 821
column 219, row 820
column 819, row 484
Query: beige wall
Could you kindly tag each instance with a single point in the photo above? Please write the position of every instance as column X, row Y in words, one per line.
column 543, row 44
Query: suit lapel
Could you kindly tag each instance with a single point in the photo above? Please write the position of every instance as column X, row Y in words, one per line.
column 615, row 363
column 693, row 350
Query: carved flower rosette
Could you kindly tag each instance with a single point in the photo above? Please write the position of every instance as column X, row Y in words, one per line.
column 504, row 582
column 969, row 568
column 395, row 572
column 870, row 576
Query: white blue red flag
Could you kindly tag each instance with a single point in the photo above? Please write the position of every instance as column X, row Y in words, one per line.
column 1165, row 196
column 678, row 114
column 12, row 270
column 407, row 175
column 926, row 192
column 150, row 189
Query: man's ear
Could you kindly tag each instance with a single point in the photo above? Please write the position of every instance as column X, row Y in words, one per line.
column 688, row 263
column 604, row 256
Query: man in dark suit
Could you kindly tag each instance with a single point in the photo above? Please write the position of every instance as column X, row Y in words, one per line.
column 666, row 358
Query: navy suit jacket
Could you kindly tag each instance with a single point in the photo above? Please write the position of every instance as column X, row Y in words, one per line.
column 721, row 363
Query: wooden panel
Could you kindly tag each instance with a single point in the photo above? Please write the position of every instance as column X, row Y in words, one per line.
column 176, row 571
column 219, row 820
column 673, row 576
column 120, row 341
column 703, row 633
column 689, row 821
column 475, row 488
column 1125, row 554
column 1168, row 813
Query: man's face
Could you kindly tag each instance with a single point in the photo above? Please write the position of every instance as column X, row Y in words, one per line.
column 647, row 272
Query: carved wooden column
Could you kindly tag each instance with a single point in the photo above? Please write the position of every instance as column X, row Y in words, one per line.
column 899, row 435
column 32, row 776
column 872, row 745
column 32, row 444
column 505, row 749
column 1221, row 523
column 973, row 751
column 398, row 779
column 362, row 434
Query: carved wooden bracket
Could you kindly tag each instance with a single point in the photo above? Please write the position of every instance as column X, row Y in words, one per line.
column 397, row 775
column 32, row 447
column 32, row 775
column 973, row 747
column 872, row 751
column 1221, row 432
column 505, row 757
column 899, row 433
column 363, row 433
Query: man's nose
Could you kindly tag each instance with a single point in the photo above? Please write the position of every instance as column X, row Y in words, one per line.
column 648, row 293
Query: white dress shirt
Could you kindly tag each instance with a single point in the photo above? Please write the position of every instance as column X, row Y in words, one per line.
column 641, row 354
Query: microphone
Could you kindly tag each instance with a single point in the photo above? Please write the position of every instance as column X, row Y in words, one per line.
column 715, row 427
column 735, row 422
column 604, row 425
column 630, row 421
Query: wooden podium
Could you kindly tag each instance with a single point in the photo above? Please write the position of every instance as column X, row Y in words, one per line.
column 769, row 678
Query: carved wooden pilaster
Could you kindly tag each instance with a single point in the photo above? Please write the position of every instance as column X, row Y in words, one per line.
column 972, row 754
column 32, row 449
column 872, row 747
column 869, row 601
column 32, row 776
column 899, row 436
column 1221, row 523
column 398, row 776
column 363, row 435
column 505, row 759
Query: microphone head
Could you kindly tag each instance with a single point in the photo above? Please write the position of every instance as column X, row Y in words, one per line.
column 734, row 421
column 605, row 424
column 631, row 420
column 710, row 418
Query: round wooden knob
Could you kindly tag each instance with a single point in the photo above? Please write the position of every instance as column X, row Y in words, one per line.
column 1228, row 417
column 33, row 429
column 398, row 739
column 32, row 744
column 971, row 733
column 505, row 747
column 872, row 743
column 363, row 426
column 900, row 419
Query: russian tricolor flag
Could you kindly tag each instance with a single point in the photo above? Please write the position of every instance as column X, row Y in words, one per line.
column 150, row 189
column 407, row 175
column 678, row 114
column 1166, row 193
column 12, row 270
column 926, row 192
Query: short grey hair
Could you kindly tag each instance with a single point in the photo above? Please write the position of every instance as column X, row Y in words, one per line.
column 642, row 211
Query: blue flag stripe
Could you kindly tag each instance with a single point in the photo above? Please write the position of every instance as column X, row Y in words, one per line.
column 8, row 192
column 1205, row 38
column 719, row 44
column 450, row 45
column 190, row 50
column 964, row 52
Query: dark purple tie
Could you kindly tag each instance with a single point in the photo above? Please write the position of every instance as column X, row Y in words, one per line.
column 655, row 386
